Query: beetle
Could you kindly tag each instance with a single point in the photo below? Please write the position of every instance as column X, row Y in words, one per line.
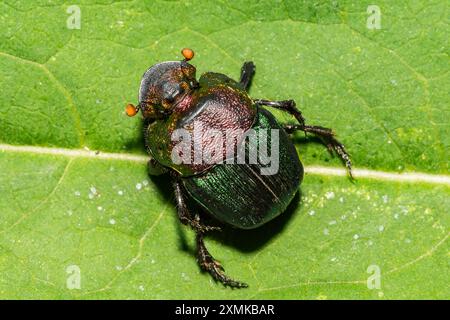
column 237, row 194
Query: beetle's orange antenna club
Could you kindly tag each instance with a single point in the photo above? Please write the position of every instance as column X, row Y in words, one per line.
column 187, row 53
column 131, row 110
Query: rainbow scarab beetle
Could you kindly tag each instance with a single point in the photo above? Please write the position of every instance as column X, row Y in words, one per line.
column 179, row 111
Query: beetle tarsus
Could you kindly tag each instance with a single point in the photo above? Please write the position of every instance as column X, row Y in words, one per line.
column 213, row 267
column 247, row 73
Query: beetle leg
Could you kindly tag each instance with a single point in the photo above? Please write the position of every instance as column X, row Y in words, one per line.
column 328, row 138
column 247, row 72
column 286, row 105
column 204, row 258
column 211, row 265
column 183, row 213
column 325, row 134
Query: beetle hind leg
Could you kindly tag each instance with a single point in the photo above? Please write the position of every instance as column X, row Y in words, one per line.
column 204, row 258
column 325, row 134
column 328, row 138
column 183, row 213
column 212, row 266
column 247, row 73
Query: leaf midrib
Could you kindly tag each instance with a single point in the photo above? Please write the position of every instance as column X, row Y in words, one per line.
column 361, row 173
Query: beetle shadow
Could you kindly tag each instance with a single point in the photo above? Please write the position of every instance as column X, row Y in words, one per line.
column 135, row 143
column 301, row 140
column 164, row 185
column 253, row 239
column 242, row 240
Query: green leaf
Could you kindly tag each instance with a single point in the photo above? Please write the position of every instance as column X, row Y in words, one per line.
column 384, row 91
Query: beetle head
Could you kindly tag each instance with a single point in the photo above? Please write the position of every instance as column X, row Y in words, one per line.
column 164, row 85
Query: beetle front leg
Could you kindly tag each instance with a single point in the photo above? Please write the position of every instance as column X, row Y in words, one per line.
column 247, row 73
column 325, row 134
column 183, row 213
column 211, row 265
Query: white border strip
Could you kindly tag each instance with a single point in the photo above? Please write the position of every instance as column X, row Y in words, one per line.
column 314, row 170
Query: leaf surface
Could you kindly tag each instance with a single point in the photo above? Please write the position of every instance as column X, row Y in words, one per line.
column 383, row 91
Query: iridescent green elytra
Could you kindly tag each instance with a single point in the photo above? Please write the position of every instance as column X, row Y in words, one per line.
column 179, row 111
column 226, row 192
